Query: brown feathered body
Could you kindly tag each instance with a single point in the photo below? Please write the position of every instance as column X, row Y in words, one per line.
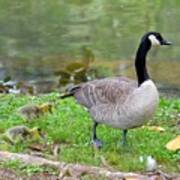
column 32, row 111
column 19, row 133
column 118, row 101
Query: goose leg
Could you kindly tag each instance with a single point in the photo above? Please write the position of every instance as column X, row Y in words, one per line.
column 124, row 137
column 96, row 142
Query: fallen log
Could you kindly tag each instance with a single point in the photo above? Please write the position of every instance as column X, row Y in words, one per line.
column 76, row 170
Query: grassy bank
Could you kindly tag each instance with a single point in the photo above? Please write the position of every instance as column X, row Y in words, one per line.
column 70, row 126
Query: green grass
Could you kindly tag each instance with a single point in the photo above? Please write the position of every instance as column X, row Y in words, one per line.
column 70, row 126
column 24, row 169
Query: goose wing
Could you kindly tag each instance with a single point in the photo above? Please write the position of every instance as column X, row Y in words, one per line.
column 104, row 91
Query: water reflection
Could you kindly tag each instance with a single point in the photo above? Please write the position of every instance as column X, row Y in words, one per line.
column 39, row 38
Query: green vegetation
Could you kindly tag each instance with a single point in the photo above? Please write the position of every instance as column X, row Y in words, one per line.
column 24, row 169
column 70, row 126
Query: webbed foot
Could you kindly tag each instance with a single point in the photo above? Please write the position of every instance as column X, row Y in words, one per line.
column 97, row 143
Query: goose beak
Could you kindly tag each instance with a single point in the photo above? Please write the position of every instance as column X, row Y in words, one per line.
column 165, row 42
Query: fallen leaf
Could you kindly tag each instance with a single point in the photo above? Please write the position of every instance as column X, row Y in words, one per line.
column 155, row 128
column 105, row 163
column 174, row 144
column 56, row 150
column 38, row 154
column 36, row 147
column 132, row 178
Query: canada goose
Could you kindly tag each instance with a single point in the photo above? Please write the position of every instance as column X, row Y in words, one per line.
column 119, row 101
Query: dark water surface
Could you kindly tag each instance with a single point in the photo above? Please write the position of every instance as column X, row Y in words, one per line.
column 38, row 38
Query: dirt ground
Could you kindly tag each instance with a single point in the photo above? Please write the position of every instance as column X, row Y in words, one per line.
column 8, row 174
column 67, row 171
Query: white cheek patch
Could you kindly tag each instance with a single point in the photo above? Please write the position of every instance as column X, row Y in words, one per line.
column 154, row 40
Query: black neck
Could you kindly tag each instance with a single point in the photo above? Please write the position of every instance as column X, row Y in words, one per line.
column 140, row 62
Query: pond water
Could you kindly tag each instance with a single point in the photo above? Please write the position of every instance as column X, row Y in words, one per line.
column 38, row 38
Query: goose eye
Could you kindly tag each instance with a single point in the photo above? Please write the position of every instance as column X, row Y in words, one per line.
column 159, row 37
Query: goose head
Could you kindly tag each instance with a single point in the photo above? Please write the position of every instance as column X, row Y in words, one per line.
column 148, row 40
column 155, row 39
